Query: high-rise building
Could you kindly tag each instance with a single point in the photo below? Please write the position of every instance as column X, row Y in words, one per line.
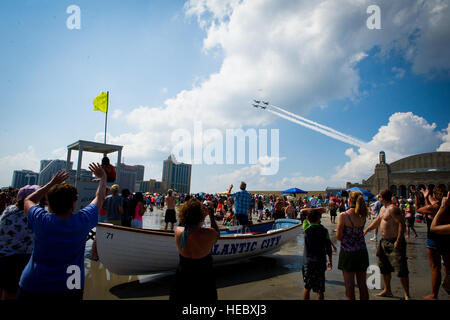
column 22, row 178
column 177, row 175
column 85, row 175
column 49, row 168
column 154, row 186
column 130, row 177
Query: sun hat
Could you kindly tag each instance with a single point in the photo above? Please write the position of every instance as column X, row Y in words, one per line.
column 26, row 191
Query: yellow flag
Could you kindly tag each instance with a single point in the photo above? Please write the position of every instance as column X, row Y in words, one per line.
column 101, row 102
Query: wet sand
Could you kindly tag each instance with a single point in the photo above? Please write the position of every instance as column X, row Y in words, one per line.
column 270, row 277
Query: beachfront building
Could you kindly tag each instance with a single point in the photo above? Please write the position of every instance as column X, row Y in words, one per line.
column 49, row 168
column 85, row 175
column 130, row 177
column 174, row 176
column 177, row 175
column 154, row 186
column 22, row 178
column 420, row 170
column 333, row 191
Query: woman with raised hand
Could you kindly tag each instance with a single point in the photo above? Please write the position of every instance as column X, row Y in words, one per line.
column 56, row 267
column 353, row 256
column 438, row 245
column 195, row 278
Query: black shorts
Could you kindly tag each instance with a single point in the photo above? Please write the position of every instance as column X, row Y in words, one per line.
column 170, row 216
column 333, row 212
column 314, row 277
column 243, row 219
column 11, row 268
column 410, row 221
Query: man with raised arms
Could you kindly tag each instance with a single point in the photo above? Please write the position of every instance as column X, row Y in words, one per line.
column 391, row 249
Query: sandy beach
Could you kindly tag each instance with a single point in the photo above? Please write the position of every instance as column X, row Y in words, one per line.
column 271, row 277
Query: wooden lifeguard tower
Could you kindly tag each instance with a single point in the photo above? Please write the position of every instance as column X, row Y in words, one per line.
column 87, row 188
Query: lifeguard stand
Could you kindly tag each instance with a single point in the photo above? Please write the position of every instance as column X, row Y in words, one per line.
column 88, row 188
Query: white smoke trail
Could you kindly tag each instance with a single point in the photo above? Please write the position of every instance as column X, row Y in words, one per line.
column 356, row 141
column 318, row 129
column 331, row 132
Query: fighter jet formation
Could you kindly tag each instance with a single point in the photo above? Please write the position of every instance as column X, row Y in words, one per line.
column 284, row 114
column 258, row 104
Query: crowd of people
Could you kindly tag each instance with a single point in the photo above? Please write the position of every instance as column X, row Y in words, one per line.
column 42, row 238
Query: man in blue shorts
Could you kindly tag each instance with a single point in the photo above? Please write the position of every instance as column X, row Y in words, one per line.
column 56, row 268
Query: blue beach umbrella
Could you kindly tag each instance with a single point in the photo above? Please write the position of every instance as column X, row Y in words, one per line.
column 294, row 191
column 364, row 192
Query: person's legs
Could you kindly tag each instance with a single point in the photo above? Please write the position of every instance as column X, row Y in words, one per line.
column 434, row 258
column 405, row 284
column 414, row 230
column 349, row 281
column 362, row 285
column 387, row 292
column 383, row 250
column 446, row 261
column 446, row 282
column 375, row 234
column 94, row 252
column 320, row 296
column 306, row 294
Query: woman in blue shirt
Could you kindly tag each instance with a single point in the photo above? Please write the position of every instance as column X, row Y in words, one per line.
column 56, row 267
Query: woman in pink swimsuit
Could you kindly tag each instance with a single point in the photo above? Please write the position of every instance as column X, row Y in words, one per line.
column 138, row 204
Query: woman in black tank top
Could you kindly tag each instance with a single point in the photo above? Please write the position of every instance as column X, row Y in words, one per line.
column 195, row 278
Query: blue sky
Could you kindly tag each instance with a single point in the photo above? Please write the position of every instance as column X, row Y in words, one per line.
column 170, row 63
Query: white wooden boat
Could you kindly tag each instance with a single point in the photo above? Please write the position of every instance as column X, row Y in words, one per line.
column 129, row 251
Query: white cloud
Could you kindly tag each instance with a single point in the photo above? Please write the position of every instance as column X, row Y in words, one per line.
column 252, row 175
column 256, row 181
column 299, row 54
column 405, row 134
column 445, row 146
column 59, row 153
column 117, row 113
column 27, row 160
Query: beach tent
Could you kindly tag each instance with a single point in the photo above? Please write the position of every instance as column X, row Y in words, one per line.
column 364, row 192
column 294, row 191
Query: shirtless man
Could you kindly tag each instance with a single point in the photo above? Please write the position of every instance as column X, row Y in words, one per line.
column 391, row 249
column 170, row 212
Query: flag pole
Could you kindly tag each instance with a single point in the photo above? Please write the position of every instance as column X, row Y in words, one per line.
column 106, row 115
